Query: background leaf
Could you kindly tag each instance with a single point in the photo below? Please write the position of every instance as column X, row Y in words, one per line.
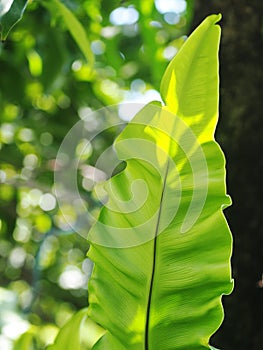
column 58, row 9
column 12, row 16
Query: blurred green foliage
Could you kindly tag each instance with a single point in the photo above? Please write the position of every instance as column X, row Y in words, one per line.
column 61, row 61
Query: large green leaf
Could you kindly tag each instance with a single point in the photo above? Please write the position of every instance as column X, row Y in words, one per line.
column 11, row 11
column 161, row 245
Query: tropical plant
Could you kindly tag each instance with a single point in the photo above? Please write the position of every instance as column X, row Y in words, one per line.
column 161, row 246
column 43, row 264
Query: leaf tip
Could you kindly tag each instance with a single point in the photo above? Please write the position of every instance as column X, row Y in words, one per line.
column 218, row 17
column 215, row 18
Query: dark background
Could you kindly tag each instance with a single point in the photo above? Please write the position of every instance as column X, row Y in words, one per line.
column 240, row 133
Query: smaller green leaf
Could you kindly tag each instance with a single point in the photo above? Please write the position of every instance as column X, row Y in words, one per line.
column 11, row 11
column 25, row 341
column 80, row 332
column 58, row 9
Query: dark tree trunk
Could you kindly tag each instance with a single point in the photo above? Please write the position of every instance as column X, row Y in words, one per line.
column 240, row 133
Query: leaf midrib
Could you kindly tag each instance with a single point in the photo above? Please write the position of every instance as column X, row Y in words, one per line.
column 147, row 324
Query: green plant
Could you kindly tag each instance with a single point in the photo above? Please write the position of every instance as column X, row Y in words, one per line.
column 161, row 246
column 53, row 88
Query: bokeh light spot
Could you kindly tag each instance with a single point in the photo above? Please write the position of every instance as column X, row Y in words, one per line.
column 47, row 202
column 124, row 16
column 177, row 6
